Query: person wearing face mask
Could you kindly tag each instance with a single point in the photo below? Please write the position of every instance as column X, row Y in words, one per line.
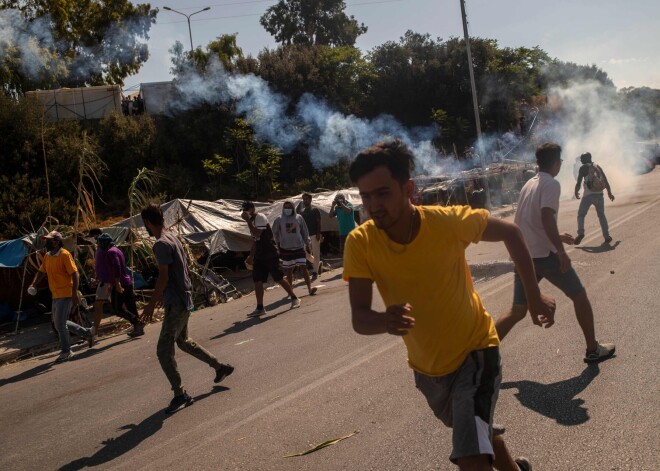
column 59, row 267
column 114, row 285
column 291, row 235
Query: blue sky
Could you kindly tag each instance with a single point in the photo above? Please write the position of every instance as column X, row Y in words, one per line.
column 621, row 37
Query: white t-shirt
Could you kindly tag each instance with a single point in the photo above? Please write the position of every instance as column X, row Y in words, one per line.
column 260, row 221
column 541, row 191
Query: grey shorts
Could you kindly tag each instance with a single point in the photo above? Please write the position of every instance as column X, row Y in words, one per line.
column 550, row 268
column 103, row 292
column 465, row 401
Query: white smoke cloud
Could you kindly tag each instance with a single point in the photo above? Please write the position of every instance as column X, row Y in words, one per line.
column 38, row 52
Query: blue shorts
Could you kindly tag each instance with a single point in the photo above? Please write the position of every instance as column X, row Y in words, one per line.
column 550, row 268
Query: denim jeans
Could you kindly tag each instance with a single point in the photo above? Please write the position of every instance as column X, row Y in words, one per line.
column 175, row 330
column 60, row 312
column 598, row 201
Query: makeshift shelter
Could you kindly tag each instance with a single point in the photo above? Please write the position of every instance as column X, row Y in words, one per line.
column 79, row 103
column 218, row 224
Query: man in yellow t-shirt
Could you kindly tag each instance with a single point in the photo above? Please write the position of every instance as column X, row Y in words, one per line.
column 416, row 257
column 62, row 274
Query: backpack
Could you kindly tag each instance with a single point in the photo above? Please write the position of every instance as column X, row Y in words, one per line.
column 595, row 180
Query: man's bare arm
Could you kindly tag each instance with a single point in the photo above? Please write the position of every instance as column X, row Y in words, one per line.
column 366, row 321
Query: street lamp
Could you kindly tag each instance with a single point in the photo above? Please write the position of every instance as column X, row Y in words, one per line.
column 188, row 18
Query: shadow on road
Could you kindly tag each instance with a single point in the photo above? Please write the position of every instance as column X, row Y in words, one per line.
column 135, row 434
column 47, row 367
column 27, row 374
column 600, row 248
column 557, row 400
column 241, row 326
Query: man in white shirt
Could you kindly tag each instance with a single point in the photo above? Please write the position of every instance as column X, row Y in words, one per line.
column 536, row 216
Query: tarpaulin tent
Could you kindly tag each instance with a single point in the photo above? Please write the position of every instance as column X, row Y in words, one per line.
column 218, row 224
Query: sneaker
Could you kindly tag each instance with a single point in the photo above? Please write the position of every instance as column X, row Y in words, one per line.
column 578, row 239
column 184, row 400
column 64, row 356
column 295, row 303
column 524, row 464
column 313, row 291
column 608, row 239
column 222, row 372
column 257, row 312
column 602, row 352
column 138, row 330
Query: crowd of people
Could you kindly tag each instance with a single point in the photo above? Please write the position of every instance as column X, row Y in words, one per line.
column 414, row 254
column 132, row 106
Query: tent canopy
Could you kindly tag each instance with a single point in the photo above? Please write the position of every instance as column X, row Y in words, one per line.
column 218, row 224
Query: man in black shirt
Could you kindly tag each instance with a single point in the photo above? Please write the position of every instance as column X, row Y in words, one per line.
column 264, row 258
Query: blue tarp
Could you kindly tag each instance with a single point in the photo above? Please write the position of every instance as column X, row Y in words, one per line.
column 12, row 253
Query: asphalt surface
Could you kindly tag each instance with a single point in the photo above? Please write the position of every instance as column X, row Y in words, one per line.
column 303, row 377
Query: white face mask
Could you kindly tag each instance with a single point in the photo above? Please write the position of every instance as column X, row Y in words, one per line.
column 288, row 211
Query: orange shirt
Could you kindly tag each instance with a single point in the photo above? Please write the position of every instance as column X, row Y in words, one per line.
column 59, row 269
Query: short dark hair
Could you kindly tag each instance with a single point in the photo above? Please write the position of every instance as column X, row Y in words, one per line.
column 394, row 155
column 153, row 214
column 547, row 154
column 585, row 158
column 245, row 205
column 306, row 195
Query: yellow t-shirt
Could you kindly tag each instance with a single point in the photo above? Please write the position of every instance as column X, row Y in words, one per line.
column 59, row 269
column 432, row 274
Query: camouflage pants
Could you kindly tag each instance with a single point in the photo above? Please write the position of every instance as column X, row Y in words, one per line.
column 175, row 330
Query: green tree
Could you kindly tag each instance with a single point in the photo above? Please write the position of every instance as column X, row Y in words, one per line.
column 85, row 42
column 310, row 22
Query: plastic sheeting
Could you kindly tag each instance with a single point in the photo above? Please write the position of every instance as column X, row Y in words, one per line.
column 13, row 252
column 218, row 224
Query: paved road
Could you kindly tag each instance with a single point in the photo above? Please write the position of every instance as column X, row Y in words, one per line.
column 303, row 377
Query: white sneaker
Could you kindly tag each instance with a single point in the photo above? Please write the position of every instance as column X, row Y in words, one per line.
column 602, row 352
column 295, row 303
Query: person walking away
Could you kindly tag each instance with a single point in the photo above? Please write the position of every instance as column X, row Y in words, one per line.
column 595, row 181
column 292, row 239
column 312, row 217
column 343, row 211
column 416, row 257
column 114, row 285
column 63, row 279
column 174, row 290
column 536, row 215
column 264, row 258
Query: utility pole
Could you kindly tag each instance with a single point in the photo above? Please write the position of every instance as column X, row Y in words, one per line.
column 475, row 103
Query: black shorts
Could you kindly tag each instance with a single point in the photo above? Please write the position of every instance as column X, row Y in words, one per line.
column 262, row 268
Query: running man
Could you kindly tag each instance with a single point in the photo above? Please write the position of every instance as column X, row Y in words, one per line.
column 536, row 214
column 416, row 257
column 174, row 290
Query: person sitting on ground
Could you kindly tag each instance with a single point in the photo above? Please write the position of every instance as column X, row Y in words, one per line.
column 343, row 211
column 62, row 273
column 536, row 215
column 292, row 239
column 264, row 257
column 595, row 181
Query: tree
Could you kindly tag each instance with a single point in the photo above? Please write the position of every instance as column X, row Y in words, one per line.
column 71, row 44
column 310, row 22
